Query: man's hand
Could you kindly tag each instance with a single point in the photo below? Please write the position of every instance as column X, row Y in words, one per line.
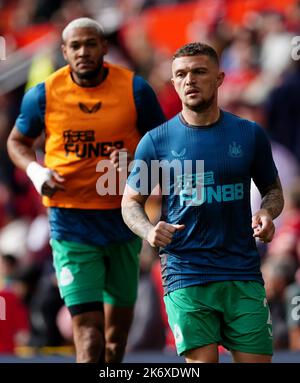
column 46, row 181
column 263, row 226
column 49, row 188
column 161, row 235
column 119, row 157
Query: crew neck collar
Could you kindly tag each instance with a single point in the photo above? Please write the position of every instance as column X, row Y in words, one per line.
column 202, row 127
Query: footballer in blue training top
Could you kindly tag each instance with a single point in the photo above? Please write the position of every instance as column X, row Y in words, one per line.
column 217, row 242
column 213, row 286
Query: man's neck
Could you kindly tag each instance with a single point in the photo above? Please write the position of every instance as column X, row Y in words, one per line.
column 203, row 118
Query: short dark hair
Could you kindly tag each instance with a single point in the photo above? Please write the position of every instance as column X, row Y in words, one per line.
column 197, row 49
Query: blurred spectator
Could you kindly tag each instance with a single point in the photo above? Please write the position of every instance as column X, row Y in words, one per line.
column 293, row 17
column 283, row 112
column 239, row 61
column 14, row 329
column 6, row 208
column 275, row 52
column 14, row 324
column 241, row 54
column 8, row 268
column 13, row 238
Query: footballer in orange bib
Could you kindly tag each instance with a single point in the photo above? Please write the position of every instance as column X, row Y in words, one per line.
column 89, row 111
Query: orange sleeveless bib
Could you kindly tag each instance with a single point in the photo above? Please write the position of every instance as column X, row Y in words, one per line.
column 80, row 124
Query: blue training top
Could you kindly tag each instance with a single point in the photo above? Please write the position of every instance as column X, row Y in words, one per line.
column 213, row 202
column 96, row 227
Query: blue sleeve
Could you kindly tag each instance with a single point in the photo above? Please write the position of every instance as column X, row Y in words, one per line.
column 30, row 121
column 140, row 176
column 149, row 112
column 264, row 171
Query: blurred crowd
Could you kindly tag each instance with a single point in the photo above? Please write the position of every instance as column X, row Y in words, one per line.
column 254, row 41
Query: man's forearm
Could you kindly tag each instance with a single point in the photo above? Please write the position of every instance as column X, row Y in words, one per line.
column 20, row 149
column 272, row 200
column 22, row 155
column 136, row 219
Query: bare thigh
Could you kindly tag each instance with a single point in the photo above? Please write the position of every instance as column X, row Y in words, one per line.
column 244, row 357
column 205, row 354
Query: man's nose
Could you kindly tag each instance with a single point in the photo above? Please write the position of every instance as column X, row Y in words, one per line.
column 83, row 51
column 190, row 79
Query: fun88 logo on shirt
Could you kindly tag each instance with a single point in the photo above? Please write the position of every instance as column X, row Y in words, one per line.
column 196, row 189
column 2, row 48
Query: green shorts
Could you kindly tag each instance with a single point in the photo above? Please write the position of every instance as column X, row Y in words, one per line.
column 88, row 273
column 234, row 314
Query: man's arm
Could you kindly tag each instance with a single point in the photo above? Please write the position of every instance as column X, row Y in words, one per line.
column 29, row 125
column 136, row 219
column 22, row 154
column 271, row 206
column 265, row 177
column 20, row 149
column 133, row 212
column 272, row 199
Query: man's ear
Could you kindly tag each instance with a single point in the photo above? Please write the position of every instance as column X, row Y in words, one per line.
column 220, row 78
column 105, row 47
column 63, row 49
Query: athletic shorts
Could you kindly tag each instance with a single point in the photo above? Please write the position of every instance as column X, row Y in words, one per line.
column 234, row 314
column 88, row 273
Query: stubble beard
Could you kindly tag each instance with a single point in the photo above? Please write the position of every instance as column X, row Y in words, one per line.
column 202, row 105
column 92, row 74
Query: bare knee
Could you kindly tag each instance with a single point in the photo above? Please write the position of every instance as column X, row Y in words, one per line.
column 88, row 336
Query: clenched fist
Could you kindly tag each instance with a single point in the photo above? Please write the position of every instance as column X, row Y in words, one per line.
column 161, row 235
